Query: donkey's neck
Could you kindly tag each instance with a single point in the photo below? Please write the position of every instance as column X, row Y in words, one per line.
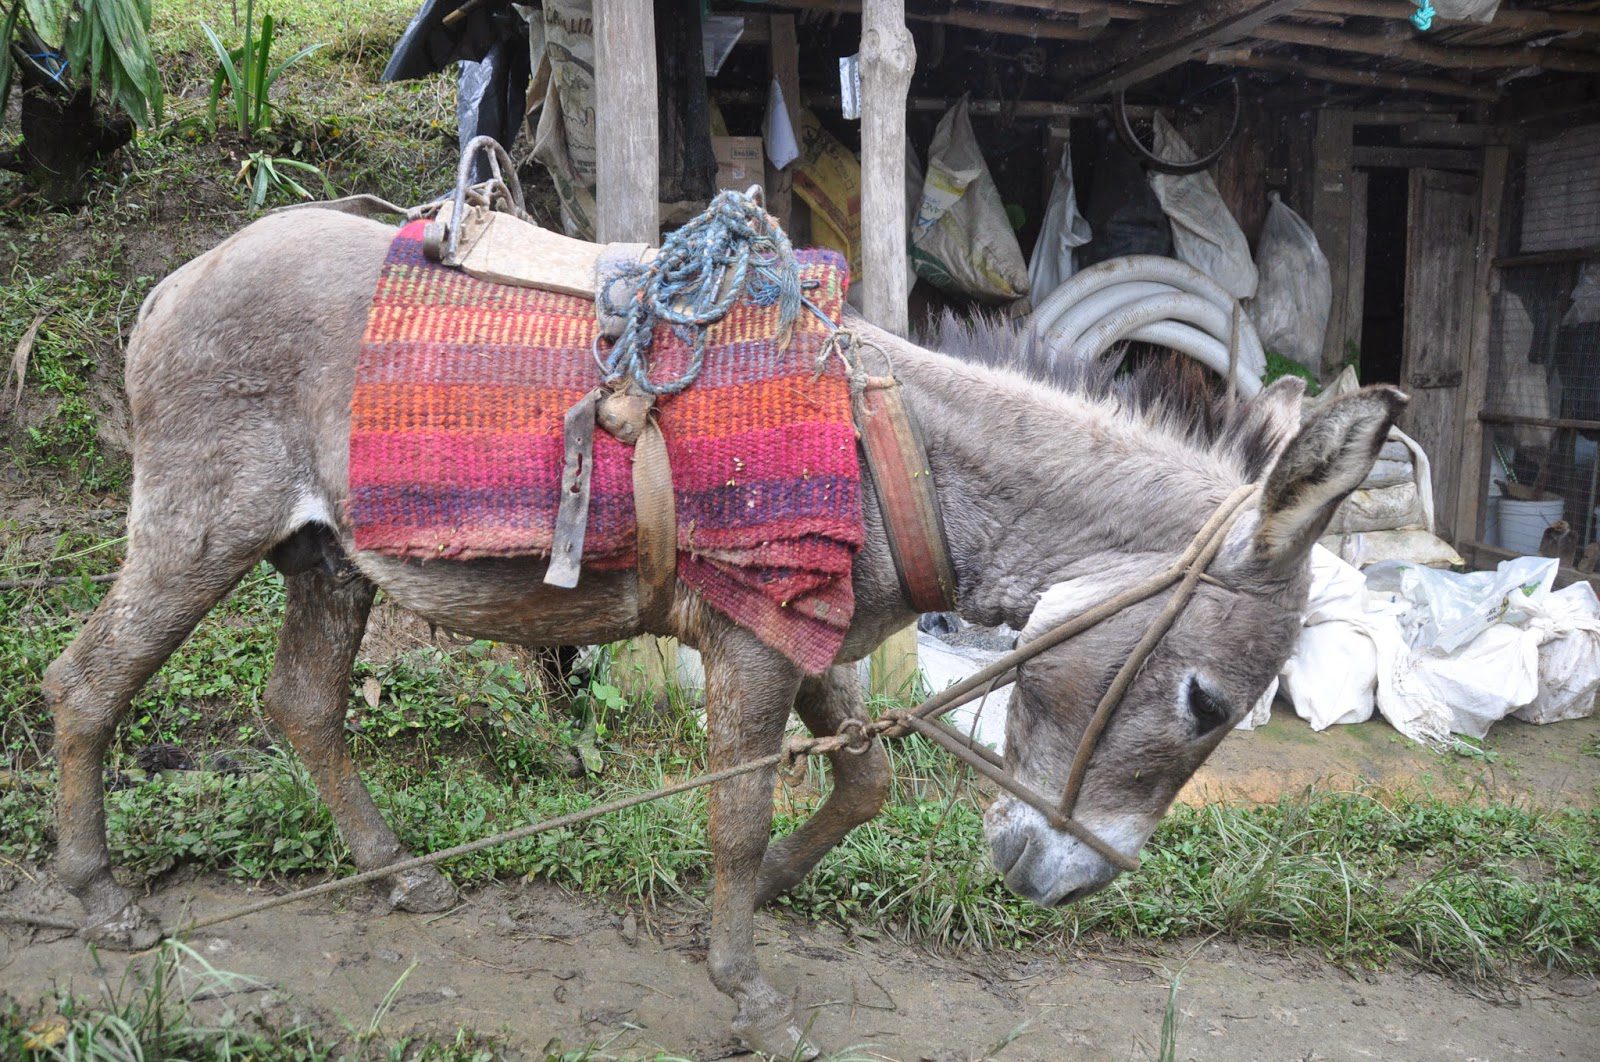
column 1033, row 481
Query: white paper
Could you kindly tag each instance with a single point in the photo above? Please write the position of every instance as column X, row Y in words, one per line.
column 782, row 147
column 850, row 86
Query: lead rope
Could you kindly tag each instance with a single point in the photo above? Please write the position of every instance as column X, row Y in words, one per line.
column 855, row 736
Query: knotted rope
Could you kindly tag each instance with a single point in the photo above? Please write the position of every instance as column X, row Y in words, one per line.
column 734, row 248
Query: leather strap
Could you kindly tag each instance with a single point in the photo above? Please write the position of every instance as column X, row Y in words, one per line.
column 656, row 516
column 572, row 511
column 898, row 464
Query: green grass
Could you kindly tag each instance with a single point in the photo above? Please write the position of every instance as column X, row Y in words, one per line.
column 459, row 745
column 178, row 1006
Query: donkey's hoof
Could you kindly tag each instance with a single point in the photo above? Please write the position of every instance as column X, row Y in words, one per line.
column 130, row 929
column 422, row 891
column 779, row 1037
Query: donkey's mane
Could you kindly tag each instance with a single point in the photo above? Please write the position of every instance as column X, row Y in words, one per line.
column 1170, row 393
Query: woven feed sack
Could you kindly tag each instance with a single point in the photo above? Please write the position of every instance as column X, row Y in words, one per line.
column 962, row 241
column 1204, row 233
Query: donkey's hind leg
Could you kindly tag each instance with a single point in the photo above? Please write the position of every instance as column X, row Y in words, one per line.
column 324, row 620
column 860, row 784
column 158, row 598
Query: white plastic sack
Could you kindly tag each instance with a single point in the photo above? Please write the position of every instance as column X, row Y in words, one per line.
column 1568, row 623
column 1378, row 509
column 1260, row 713
column 1466, row 10
column 1290, row 308
column 1453, row 608
column 1332, row 675
column 1474, row 687
column 1414, row 545
column 564, row 140
column 1204, row 234
column 1585, row 308
column 962, row 240
column 1064, row 230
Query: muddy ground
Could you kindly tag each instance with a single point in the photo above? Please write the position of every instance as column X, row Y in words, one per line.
column 537, row 968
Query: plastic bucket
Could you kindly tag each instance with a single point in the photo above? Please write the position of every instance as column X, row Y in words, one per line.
column 1491, row 515
column 1523, row 523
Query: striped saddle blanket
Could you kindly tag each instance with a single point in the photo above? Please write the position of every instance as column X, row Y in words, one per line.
column 456, row 443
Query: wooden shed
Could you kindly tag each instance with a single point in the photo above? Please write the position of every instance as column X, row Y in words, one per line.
column 1452, row 177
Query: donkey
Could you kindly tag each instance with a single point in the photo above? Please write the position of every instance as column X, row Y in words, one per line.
column 240, row 372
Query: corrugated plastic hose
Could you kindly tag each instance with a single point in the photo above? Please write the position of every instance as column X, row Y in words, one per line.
column 1150, row 299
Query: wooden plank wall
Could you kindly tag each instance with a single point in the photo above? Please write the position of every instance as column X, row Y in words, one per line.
column 1330, row 220
column 1469, row 516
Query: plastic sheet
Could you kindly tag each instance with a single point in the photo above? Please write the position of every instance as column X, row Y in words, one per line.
column 1292, row 300
column 1063, row 232
column 1441, row 653
column 1204, row 233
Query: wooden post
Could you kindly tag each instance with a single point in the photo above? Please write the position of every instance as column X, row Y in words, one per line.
column 1469, row 500
column 627, row 208
column 783, row 64
column 627, row 123
column 1330, row 220
column 888, row 58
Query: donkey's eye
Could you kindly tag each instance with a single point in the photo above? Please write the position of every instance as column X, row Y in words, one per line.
column 1209, row 710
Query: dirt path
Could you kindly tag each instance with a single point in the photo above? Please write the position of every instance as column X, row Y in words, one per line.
column 537, row 967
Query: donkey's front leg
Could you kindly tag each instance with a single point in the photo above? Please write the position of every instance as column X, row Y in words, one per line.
column 860, row 783
column 749, row 692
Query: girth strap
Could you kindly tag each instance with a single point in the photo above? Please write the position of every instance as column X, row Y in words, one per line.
column 656, row 515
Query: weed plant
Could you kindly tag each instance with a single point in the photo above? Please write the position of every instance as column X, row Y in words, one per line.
column 458, row 743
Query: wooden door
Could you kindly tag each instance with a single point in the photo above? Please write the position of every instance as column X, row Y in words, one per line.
column 1440, row 241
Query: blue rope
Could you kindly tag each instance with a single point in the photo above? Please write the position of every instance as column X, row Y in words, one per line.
column 733, row 248
column 1422, row 17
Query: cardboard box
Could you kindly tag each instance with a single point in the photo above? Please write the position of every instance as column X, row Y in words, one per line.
column 740, row 162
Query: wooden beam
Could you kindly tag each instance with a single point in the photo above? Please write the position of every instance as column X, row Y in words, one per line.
column 1415, row 158
column 627, row 123
column 1532, row 20
column 1446, row 57
column 1092, row 8
column 1031, row 27
column 1154, row 46
column 1330, row 220
column 1448, row 134
column 1539, row 258
column 888, row 59
column 1475, row 389
column 1345, row 75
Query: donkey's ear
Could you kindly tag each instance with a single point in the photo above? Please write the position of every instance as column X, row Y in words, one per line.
column 1319, row 468
column 1272, row 417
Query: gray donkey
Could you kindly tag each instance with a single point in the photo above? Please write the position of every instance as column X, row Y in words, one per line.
column 240, row 373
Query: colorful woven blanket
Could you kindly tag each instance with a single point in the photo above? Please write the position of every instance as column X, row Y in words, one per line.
column 456, row 444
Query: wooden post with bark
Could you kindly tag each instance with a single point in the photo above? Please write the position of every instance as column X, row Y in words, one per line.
column 627, row 126
column 888, row 57
column 627, row 209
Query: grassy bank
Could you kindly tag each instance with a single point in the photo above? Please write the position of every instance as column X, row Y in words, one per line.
column 458, row 742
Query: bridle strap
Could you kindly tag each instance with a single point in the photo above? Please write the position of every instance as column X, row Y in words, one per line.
column 1202, row 551
column 1187, row 571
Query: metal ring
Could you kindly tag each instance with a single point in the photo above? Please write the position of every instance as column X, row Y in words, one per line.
column 861, row 742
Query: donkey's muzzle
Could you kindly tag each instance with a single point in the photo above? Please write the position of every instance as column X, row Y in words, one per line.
column 1040, row 863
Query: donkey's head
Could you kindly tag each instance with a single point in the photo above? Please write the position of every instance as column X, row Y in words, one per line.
column 1214, row 663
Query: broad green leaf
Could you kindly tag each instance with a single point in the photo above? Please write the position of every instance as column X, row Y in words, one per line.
column 7, row 31
column 48, row 19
